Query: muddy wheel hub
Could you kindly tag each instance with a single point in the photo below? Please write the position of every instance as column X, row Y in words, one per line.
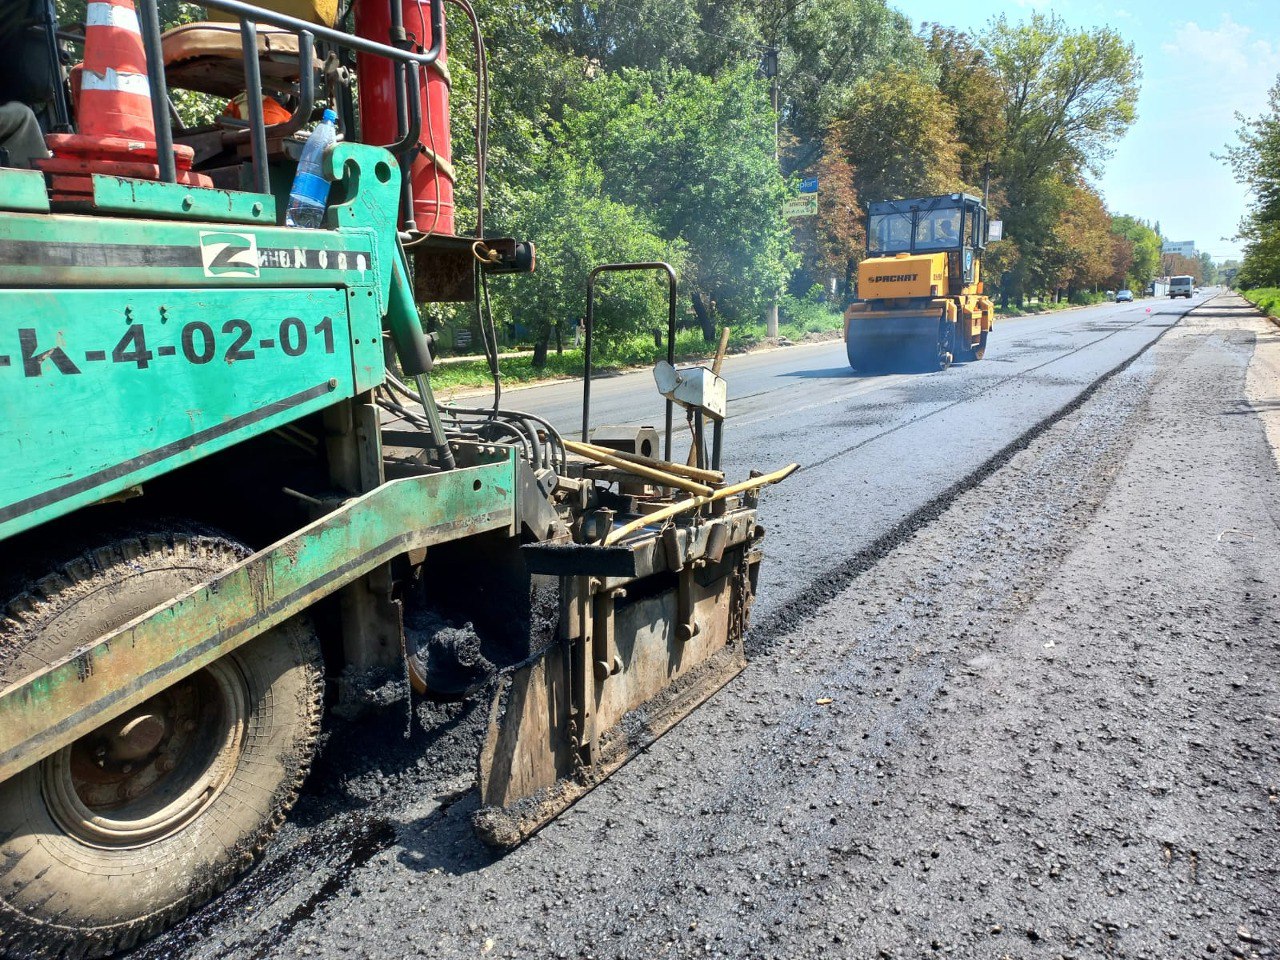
column 139, row 735
column 146, row 774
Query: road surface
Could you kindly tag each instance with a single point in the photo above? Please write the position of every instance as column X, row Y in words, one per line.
column 876, row 450
column 1014, row 691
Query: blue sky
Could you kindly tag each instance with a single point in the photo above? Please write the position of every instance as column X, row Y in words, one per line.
column 1201, row 63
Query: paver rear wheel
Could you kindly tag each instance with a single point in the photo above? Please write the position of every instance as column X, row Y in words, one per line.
column 125, row 831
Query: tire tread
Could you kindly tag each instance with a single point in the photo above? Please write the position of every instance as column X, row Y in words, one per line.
column 23, row 937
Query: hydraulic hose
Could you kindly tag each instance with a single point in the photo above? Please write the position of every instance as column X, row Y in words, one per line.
column 438, row 439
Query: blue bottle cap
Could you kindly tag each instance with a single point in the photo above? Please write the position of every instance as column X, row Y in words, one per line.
column 328, row 115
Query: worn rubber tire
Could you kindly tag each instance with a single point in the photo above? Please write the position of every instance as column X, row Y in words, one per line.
column 63, row 897
column 937, row 356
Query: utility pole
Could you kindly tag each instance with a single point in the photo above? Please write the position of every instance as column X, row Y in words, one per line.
column 771, row 71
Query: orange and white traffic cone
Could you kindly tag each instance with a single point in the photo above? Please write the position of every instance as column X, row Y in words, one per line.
column 117, row 133
column 115, row 100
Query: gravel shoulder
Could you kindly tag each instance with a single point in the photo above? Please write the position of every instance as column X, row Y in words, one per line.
column 1045, row 724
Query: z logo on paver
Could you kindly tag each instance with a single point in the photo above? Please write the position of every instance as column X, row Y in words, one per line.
column 229, row 254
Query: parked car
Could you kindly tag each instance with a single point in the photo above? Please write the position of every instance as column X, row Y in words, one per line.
column 1124, row 296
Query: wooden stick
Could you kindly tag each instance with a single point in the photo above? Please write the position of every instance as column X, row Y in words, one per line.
column 679, row 469
column 684, row 505
column 720, row 351
column 716, row 364
column 659, row 477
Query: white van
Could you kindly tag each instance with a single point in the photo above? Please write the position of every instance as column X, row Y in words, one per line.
column 1180, row 287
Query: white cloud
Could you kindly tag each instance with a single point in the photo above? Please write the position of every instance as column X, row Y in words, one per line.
column 1196, row 75
column 1230, row 62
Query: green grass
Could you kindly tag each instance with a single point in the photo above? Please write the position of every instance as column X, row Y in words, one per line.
column 635, row 351
column 1266, row 299
column 1029, row 307
column 1048, row 306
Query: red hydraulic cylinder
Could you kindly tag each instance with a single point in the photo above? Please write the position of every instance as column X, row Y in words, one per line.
column 432, row 173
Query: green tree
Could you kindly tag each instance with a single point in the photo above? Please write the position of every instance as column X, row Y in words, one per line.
column 1176, row 265
column 966, row 77
column 832, row 243
column 1121, row 262
column 700, row 35
column 826, row 47
column 1227, row 271
column 577, row 227
column 1208, row 269
column 1255, row 160
column 528, row 77
column 1144, row 245
column 695, row 153
column 1068, row 96
column 898, row 131
column 1080, row 252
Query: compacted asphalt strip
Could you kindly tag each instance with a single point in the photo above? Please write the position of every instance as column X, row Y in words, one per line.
column 876, row 450
column 1014, row 693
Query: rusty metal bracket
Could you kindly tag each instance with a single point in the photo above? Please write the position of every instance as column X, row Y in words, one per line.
column 579, row 559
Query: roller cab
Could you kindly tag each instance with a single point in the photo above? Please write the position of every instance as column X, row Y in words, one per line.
column 921, row 304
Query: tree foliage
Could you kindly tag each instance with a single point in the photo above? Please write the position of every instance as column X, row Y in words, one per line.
column 1255, row 160
column 700, row 35
column 1144, row 252
column 826, row 47
column 967, row 78
column 696, row 153
column 840, row 234
column 1208, row 269
column 1068, row 95
column 578, row 227
column 623, row 129
column 1176, row 265
column 1080, row 250
column 923, row 155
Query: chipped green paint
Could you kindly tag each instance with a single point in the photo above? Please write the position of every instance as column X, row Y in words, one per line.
column 181, row 202
column 54, row 707
column 182, row 336
column 23, row 190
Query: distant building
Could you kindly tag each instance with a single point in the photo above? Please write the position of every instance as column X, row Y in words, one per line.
column 1183, row 248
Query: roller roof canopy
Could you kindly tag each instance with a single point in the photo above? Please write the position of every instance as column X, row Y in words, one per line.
column 921, row 203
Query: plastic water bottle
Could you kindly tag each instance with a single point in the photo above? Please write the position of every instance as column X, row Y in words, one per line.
column 309, row 194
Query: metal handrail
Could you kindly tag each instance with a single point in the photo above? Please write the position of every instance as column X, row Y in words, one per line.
column 337, row 37
column 257, row 122
column 407, row 63
column 306, row 96
column 589, row 324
